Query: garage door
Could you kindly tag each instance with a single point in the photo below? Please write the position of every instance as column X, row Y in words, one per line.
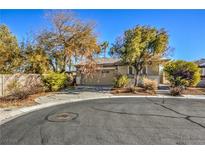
column 101, row 77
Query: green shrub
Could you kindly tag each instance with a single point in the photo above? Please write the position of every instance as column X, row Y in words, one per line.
column 54, row 81
column 121, row 81
column 182, row 73
column 149, row 85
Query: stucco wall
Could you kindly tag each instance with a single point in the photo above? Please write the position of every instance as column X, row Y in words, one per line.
column 100, row 78
column 1, row 85
column 202, row 83
column 25, row 81
column 153, row 70
column 123, row 70
column 203, row 71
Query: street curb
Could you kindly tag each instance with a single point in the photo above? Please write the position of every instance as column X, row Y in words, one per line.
column 162, row 96
column 25, row 110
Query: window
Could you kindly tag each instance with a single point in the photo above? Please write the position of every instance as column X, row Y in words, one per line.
column 130, row 70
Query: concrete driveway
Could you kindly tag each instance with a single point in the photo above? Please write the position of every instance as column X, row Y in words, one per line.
column 111, row 121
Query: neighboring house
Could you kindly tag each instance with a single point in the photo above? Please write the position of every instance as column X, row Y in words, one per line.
column 201, row 64
column 109, row 68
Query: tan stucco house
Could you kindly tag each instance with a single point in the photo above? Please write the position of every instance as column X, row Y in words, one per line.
column 109, row 68
column 201, row 64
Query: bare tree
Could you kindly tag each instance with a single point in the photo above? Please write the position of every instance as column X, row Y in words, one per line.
column 68, row 40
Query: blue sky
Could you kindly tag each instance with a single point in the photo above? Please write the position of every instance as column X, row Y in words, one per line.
column 185, row 27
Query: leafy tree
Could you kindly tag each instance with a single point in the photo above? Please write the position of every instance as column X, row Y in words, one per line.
column 182, row 73
column 10, row 58
column 68, row 41
column 140, row 46
column 35, row 60
column 104, row 47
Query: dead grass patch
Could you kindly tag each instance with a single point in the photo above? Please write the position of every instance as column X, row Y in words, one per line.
column 15, row 103
column 194, row 91
column 130, row 91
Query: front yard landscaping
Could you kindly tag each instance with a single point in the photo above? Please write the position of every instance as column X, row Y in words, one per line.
column 142, row 92
column 21, row 90
column 131, row 91
column 6, row 102
column 194, row 91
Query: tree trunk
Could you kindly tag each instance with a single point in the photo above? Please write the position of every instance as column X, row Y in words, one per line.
column 70, row 63
column 138, row 69
column 53, row 67
column 136, row 78
column 63, row 69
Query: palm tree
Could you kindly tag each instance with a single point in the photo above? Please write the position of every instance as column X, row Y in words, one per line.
column 104, row 47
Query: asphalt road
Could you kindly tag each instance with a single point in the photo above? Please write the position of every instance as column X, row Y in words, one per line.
column 111, row 121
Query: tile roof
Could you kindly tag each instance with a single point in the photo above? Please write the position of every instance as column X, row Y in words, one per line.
column 110, row 61
column 107, row 60
column 202, row 65
column 104, row 61
column 201, row 62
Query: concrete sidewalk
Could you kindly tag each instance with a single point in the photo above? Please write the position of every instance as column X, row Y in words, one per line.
column 70, row 96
